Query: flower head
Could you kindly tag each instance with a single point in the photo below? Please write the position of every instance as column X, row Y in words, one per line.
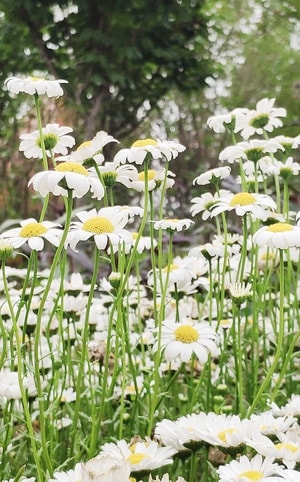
column 182, row 339
column 249, row 470
column 212, row 175
column 35, row 85
column 278, row 235
column 104, row 226
column 34, row 234
column 264, row 118
column 173, row 224
column 92, row 149
column 67, row 176
column 243, row 203
column 137, row 153
column 56, row 141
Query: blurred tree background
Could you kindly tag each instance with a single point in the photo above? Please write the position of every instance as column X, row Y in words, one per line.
column 141, row 68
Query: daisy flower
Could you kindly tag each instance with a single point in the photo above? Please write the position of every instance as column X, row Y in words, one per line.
column 218, row 123
column 202, row 204
column 35, row 85
column 137, row 153
column 112, row 173
column 290, row 409
column 262, row 119
column 243, row 203
column 287, row 168
column 67, row 176
column 286, row 448
column 278, row 235
column 141, row 454
column 92, row 149
column 106, row 468
column 156, row 179
column 185, row 338
column 33, row 233
column 56, row 140
column 252, row 150
column 212, row 175
column 173, row 224
column 105, row 226
column 165, row 478
column 247, row 470
column 226, row 431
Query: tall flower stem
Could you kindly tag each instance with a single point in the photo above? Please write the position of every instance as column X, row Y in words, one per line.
column 20, row 364
column 38, row 331
column 266, row 382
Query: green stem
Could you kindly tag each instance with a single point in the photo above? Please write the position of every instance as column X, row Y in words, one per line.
column 280, row 338
column 40, row 129
column 38, row 331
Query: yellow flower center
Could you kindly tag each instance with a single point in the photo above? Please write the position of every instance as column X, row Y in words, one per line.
column 36, row 79
column 283, row 445
column 134, row 235
column 223, row 434
column 144, row 143
column 84, row 144
column 136, row 458
column 186, row 334
column 242, row 199
column 252, row 475
column 225, row 323
column 32, row 230
column 151, row 175
column 171, row 267
column 72, row 167
column 98, row 225
column 280, row 227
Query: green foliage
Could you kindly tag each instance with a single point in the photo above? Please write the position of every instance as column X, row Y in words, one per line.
column 114, row 55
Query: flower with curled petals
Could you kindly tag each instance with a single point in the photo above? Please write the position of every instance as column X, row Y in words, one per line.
column 67, row 176
column 92, row 149
column 106, row 226
column 35, row 85
column 156, row 149
column 212, row 176
column 34, row 234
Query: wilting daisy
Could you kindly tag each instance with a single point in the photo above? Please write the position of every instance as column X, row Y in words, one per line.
column 141, row 454
column 212, row 175
column 243, row 203
column 137, row 153
column 105, row 226
column 35, row 85
column 173, row 224
column 67, row 176
column 34, row 234
column 249, row 470
column 278, row 235
column 264, row 118
column 185, row 338
column 56, row 141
